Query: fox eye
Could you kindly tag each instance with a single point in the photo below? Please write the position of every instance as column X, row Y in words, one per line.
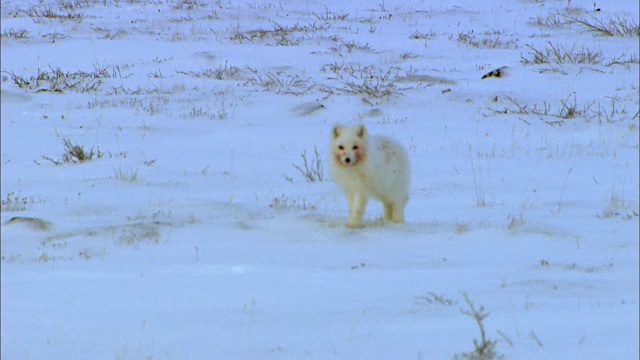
column 355, row 147
column 341, row 147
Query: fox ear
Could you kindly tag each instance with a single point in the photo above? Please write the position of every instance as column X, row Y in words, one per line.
column 362, row 131
column 336, row 131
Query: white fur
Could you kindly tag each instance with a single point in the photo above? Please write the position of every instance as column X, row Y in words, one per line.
column 370, row 166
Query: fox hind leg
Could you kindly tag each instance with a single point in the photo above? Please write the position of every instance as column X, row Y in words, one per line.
column 397, row 213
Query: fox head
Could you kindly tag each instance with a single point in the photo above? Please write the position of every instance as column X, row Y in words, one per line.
column 349, row 144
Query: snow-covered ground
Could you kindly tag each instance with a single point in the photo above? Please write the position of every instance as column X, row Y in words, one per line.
column 191, row 232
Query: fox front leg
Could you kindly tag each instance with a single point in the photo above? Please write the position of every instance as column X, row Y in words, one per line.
column 357, row 204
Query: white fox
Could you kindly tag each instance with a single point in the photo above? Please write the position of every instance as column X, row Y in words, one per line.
column 370, row 166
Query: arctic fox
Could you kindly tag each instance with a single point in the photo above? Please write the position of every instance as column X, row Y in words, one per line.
column 370, row 166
